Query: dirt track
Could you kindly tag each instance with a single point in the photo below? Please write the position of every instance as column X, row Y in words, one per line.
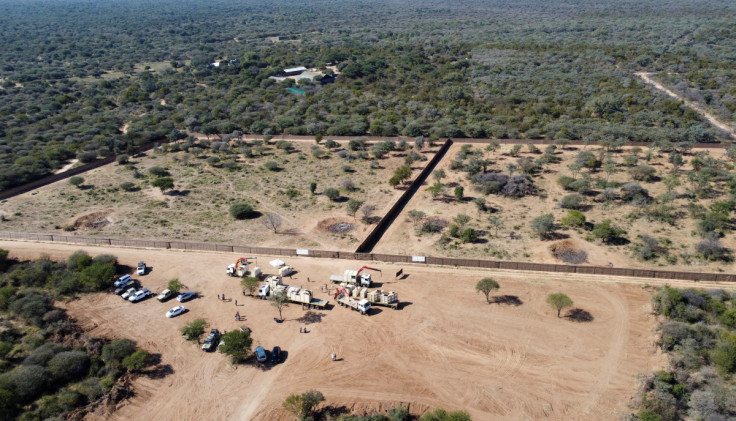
column 647, row 77
column 446, row 347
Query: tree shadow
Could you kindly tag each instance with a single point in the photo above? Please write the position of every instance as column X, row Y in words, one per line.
column 310, row 317
column 180, row 193
column 159, row 371
column 579, row 315
column 332, row 411
column 511, row 300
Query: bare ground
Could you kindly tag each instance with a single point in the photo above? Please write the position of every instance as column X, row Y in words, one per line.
column 509, row 360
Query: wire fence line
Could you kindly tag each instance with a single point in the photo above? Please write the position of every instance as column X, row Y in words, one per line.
column 379, row 257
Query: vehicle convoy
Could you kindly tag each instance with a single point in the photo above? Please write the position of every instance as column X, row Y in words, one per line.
column 211, row 341
column 354, row 277
column 294, row 294
column 376, row 297
column 343, row 298
column 240, row 268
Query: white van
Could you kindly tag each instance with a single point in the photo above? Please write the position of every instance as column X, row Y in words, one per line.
column 122, row 280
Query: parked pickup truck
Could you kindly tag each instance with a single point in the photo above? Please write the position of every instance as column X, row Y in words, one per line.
column 210, row 343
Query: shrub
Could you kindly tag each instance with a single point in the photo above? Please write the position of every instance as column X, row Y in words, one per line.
column 68, row 365
column 241, row 210
column 348, row 184
column 571, row 201
column 122, row 159
column 31, row 305
column 87, row 157
column 135, row 361
column 271, row 166
column 332, row 193
column 29, row 381
column 433, row 225
column 607, row 232
column 565, row 182
column 643, row 173
column 158, row 171
column 78, row 260
column 114, row 352
column 330, row 144
column 76, row 181
column 127, row 186
column 635, row 194
column 712, row 249
column 573, row 218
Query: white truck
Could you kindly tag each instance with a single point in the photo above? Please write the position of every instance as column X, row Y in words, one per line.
column 240, row 268
column 354, row 277
column 344, row 299
column 294, row 294
column 376, row 297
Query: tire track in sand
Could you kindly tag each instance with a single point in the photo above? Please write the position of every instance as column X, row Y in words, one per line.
column 612, row 359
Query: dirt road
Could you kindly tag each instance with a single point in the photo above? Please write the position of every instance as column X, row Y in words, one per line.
column 647, row 77
column 509, row 360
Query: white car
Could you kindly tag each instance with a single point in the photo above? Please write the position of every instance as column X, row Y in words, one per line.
column 141, row 268
column 175, row 311
column 129, row 293
column 139, row 295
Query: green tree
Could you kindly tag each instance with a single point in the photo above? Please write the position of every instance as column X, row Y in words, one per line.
column 402, row 173
column 76, row 181
column 175, row 286
column 163, row 183
column 310, row 400
column 250, row 284
column 544, row 225
column 438, row 174
column 313, row 187
column 135, row 361
column 241, row 210
column 607, row 232
column 279, row 300
column 194, row 330
column 436, row 189
column 558, row 301
column 416, row 216
column 353, row 206
column 293, row 403
column 573, row 218
column 487, row 286
column 459, row 193
column 237, row 344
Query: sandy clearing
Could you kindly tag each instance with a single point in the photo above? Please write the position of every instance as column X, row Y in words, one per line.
column 647, row 77
column 446, row 347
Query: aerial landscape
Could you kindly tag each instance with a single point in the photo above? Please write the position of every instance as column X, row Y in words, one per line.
column 367, row 210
